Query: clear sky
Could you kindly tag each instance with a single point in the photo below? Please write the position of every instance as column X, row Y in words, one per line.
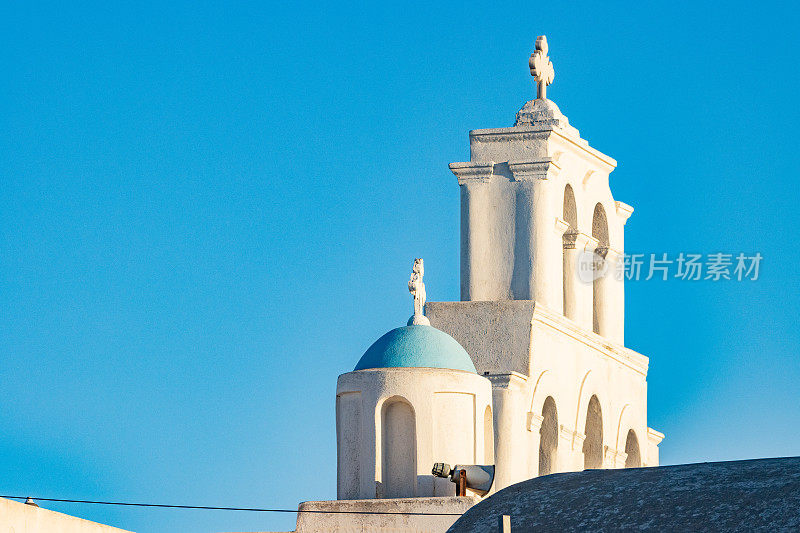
column 209, row 211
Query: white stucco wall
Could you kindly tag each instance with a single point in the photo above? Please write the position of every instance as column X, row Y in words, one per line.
column 347, row 519
column 16, row 517
column 563, row 361
column 429, row 415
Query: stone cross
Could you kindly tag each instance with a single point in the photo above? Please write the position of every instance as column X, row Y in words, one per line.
column 417, row 289
column 541, row 68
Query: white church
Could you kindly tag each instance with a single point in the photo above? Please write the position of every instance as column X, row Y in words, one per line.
column 527, row 374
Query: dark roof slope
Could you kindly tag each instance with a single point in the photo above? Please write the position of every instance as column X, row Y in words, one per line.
column 753, row 495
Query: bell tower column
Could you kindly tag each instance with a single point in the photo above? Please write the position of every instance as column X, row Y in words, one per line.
column 486, row 233
column 537, row 258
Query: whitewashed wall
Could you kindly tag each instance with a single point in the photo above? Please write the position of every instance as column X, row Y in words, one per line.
column 393, row 424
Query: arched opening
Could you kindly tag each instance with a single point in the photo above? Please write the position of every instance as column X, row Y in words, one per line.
column 634, row 458
column 569, row 254
column 599, row 232
column 593, row 444
column 398, row 449
column 548, row 438
column 488, row 436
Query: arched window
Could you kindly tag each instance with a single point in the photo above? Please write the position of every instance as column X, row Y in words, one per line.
column 569, row 253
column 599, row 304
column 488, row 436
column 398, row 447
column 593, row 444
column 634, row 458
column 548, row 438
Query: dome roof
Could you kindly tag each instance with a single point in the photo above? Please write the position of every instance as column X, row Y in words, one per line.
column 752, row 495
column 416, row 346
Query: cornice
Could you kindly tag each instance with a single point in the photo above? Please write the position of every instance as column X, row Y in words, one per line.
column 532, row 170
column 534, row 421
column 522, row 133
column 624, row 211
column 561, row 226
column 579, row 240
column 529, row 133
column 589, row 243
column 609, row 254
column 509, row 380
column 574, row 437
column 473, row 171
column 654, row 436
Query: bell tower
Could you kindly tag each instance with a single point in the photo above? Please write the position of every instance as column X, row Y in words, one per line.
column 542, row 298
column 529, row 194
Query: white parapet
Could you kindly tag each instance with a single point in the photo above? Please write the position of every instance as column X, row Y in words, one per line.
column 399, row 515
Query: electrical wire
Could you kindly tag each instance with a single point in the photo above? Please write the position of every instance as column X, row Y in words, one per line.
column 211, row 508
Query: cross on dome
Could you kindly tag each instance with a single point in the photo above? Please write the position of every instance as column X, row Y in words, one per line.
column 541, row 68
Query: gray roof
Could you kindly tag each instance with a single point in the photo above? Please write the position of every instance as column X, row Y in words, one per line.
column 753, row 495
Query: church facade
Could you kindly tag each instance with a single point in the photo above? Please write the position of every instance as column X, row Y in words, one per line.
column 527, row 374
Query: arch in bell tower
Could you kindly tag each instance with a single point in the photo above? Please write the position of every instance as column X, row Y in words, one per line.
column 593, row 444
column 548, row 438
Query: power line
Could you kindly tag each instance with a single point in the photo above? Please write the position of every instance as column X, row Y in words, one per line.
column 211, row 508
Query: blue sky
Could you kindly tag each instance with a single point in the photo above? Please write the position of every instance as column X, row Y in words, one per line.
column 209, row 211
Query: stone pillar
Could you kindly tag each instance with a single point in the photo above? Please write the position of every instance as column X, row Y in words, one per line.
column 613, row 458
column 577, row 293
column 654, row 438
column 522, row 274
column 475, row 243
column 610, row 290
column 581, row 299
column 616, row 295
column 560, row 228
column 537, row 269
column 623, row 212
column 509, row 429
column 619, row 459
column 573, row 451
column 478, row 217
column 535, row 428
column 546, row 245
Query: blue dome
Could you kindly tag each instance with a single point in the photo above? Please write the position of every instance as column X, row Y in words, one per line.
column 416, row 346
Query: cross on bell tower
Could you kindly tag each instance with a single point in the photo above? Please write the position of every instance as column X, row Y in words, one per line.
column 541, row 68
